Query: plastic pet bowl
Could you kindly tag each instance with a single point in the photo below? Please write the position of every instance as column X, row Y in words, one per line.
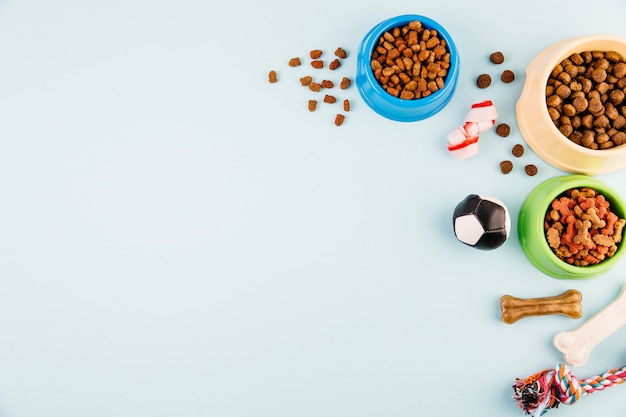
column 534, row 122
column 392, row 107
column 531, row 226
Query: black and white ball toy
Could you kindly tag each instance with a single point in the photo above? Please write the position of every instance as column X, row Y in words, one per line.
column 481, row 222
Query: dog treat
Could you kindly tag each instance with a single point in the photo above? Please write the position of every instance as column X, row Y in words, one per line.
column 585, row 99
column 312, row 105
column 329, row 99
column 341, row 53
column 576, row 345
column 345, row 83
column 503, row 130
column 483, row 81
column 568, row 304
column 334, row 64
column 411, row 61
column 507, row 76
column 497, row 58
column 531, row 170
column 346, row 105
column 339, row 119
column 518, row 150
column 506, row 166
column 327, row 84
column 581, row 229
column 306, row 80
column 272, row 77
column 295, row 62
column 315, row 53
column 463, row 141
column 317, row 64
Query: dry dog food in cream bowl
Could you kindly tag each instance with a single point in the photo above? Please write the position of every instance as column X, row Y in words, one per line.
column 572, row 110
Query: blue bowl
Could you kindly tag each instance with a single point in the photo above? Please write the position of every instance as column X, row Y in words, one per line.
column 395, row 108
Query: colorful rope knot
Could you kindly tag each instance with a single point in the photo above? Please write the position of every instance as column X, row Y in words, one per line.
column 547, row 389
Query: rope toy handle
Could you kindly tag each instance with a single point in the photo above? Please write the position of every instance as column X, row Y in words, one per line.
column 538, row 393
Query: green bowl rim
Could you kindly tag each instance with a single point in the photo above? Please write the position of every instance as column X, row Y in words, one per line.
column 567, row 182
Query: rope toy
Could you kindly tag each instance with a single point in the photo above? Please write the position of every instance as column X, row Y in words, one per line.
column 538, row 393
column 463, row 141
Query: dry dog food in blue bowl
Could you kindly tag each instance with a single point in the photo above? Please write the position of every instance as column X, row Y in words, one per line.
column 407, row 68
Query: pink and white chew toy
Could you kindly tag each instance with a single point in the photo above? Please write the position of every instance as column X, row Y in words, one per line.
column 577, row 344
column 463, row 141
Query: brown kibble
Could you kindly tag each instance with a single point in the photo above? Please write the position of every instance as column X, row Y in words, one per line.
column 483, row 81
column 410, row 61
column 334, row 64
column 584, row 97
column 506, row 166
column 317, row 64
column 531, row 170
column 507, row 76
column 315, row 53
column 346, row 105
column 306, row 80
column 503, row 130
column 518, row 150
column 496, row 58
column 272, row 77
column 329, row 99
column 580, row 104
column 316, row 87
column 327, row 84
column 339, row 119
column 295, row 62
column 312, row 105
column 341, row 53
column 407, row 95
column 345, row 83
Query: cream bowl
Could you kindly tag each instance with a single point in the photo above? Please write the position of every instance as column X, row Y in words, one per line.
column 538, row 129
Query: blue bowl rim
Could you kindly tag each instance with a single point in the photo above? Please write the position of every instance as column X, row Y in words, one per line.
column 367, row 48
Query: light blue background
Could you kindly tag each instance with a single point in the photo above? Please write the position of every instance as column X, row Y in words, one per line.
column 178, row 237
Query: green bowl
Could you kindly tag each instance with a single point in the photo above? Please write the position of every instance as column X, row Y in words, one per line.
column 531, row 233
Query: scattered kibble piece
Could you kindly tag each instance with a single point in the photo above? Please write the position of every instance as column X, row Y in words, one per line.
column 518, row 150
column 531, row 170
column 317, row 64
column 503, row 130
column 339, row 119
column 272, row 76
column 346, row 105
column 345, row 83
column 341, row 53
column 316, row 87
column 312, row 105
column 316, row 53
column 507, row 76
column 306, row 80
column 334, row 64
column 295, row 62
column 497, row 57
column 327, row 84
column 506, row 166
column 329, row 99
column 483, row 81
